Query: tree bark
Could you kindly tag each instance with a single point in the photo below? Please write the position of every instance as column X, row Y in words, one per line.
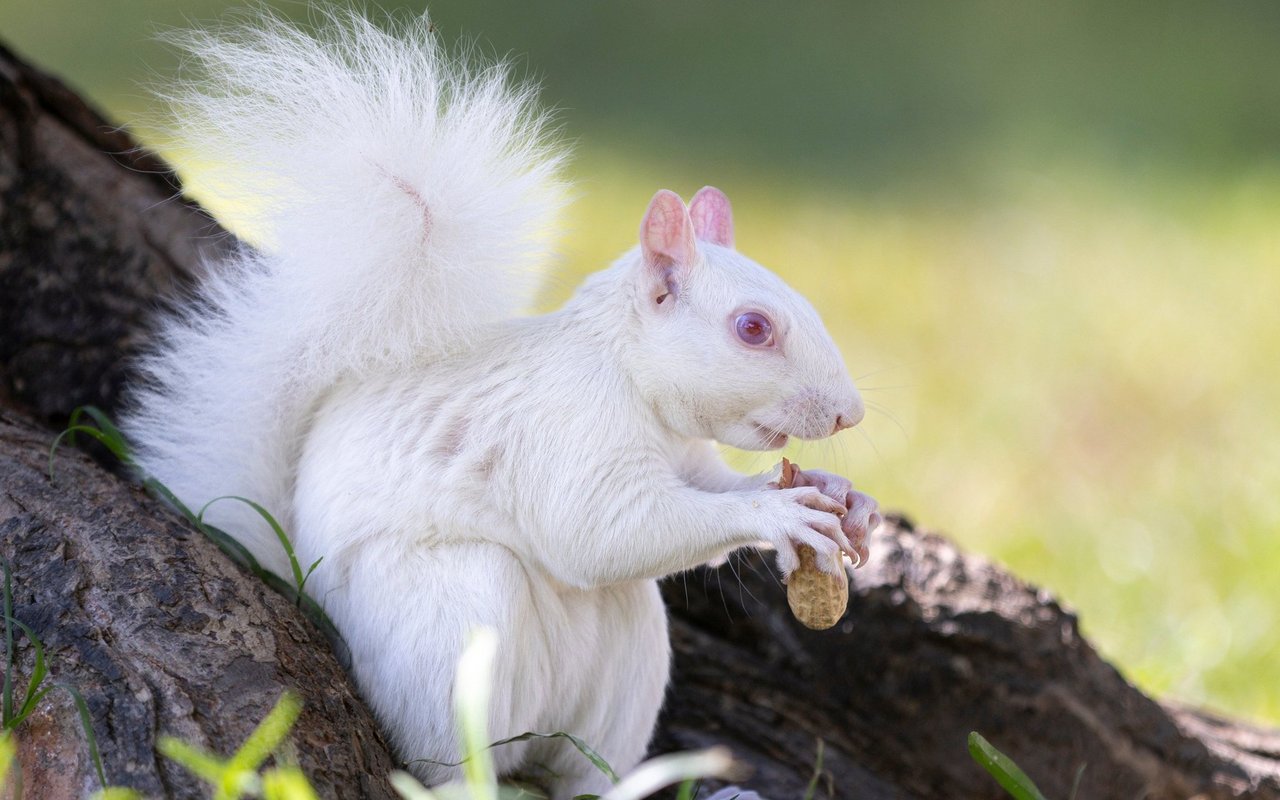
column 936, row 643
column 160, row 632
column 94, row 233
column 145, row 617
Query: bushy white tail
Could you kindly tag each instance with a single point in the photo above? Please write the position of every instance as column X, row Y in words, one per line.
column 403, row 200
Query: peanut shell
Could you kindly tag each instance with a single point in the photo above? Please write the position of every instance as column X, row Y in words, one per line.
column 817, row 599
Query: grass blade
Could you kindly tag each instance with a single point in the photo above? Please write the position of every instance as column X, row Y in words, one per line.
column 86, row 722
column 106, row 433
column 74, row 419
column 812, row 788
column 8, row 645
column 408, row 787
column 472, row 686
column 663, row 771
column 1007, row 773
column 38, row 673
column 265, row 738
column 595, row 758
column 287, row 783
column 1075, row 783
column 117, row 793
column 159, row 489
column 115, row 440
column 237, row 552
column 117, row 448
column 298, row 577
column 8, row 750
column 310, row 570
column 200, row 763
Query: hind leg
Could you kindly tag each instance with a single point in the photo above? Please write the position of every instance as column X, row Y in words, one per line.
column 407, row 625
column 620, row 693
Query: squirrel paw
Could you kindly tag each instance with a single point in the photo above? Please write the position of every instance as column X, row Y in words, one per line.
column 859, row 521
column 860, row 516
column 803, row 515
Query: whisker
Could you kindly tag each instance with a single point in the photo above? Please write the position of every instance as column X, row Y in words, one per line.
column 742, row 587
column 840, row 456
column 880, row 371
column 874, row 449
column 885, row 388
column 723, row 600
column 762, row 558
column 891, row 417
column 751, row 555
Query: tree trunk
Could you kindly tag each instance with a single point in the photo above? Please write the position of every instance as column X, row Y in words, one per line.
column 160, row 632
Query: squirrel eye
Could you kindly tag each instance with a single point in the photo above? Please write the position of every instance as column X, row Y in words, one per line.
column 754, row 328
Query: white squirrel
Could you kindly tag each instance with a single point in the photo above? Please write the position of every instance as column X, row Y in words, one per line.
column 367, row 376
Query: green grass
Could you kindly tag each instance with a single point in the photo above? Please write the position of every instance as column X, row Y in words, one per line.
column 104, row 431
column 240, row 774
column 810, row 791
column 14, row 710
column 1006, row 772
column 299, row 577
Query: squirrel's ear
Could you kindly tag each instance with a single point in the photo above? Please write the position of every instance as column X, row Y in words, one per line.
column 712, row 216
column 667, row 242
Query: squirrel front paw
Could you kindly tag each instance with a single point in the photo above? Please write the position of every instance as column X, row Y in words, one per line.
column 802, row 515
column 862, row 517
column 860, row 513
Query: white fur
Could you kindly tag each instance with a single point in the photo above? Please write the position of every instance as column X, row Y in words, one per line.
column 455, row 465
column 337, row 143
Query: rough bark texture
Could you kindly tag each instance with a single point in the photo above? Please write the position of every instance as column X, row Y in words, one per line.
column 161, row 633
column 93, row 232
column 936, row 643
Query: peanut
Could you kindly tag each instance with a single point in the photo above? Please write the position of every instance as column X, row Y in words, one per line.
column 818, row 599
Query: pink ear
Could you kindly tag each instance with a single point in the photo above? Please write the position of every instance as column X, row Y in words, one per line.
column 712, row 216
column 666, row 234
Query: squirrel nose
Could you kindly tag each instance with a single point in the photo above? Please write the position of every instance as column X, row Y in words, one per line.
column 848, row 419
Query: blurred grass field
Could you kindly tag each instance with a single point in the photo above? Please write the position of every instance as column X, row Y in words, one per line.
column 1079, row 385
column 1046, row 236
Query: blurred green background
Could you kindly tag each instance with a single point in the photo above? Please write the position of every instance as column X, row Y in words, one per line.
column 1046, row 236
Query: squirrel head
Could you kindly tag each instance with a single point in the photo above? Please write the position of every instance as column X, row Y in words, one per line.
column 723, row 349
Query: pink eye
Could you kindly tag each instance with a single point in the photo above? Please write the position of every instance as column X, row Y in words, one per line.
column 754, row 328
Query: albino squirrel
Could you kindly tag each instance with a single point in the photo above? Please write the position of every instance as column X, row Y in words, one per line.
column 367, row 376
